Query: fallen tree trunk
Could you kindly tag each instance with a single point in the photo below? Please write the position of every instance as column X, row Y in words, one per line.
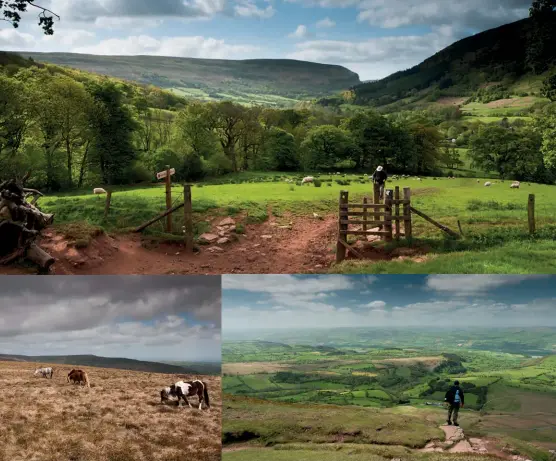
column 20, row 225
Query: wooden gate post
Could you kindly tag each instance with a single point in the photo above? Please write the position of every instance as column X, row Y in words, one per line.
column 365, row 213
column 531, row 213
column 397, row 208
column 342, row 237
column 107, row 203
column 168, row 199
column 407, row 212
column 376, row 201
column 188, row 217
column 388, row 214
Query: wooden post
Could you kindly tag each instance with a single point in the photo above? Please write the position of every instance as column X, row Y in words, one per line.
column 531, row 213
column 342, row 238
column 188, row 217
column 397, row 208
column 168, row 199
column 388, row 214
column 407, row 212
column 107, row 204
column 365, row 213
column 376, row 201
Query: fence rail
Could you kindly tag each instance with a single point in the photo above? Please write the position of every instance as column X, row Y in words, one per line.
column 375, row 218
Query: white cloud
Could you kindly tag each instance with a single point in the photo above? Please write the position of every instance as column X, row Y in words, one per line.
column 249, row 9
column 464, row 285
column 288, row 284
column 326, row 22
column 300, row 32
column 195, row 47
column 375, row 305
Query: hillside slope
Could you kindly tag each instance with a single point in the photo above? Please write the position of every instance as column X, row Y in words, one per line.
column 216, row 78
column 110, row 362
column 496, row 55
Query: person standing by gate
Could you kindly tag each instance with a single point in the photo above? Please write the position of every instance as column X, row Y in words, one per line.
column 379, row 177
column 455, row 399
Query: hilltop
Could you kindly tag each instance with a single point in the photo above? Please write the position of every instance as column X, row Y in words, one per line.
column 119, row 363
column 278, row 82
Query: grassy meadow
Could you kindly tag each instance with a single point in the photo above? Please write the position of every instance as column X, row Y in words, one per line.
column 119, row 418
column 367, row 399
column 494, row 220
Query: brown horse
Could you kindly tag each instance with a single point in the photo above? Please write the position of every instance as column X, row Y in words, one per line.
column 79, row 376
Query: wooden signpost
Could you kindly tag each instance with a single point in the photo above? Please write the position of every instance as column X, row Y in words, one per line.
column 167, row 174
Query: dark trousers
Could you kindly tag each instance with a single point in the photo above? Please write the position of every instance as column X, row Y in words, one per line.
column 453, row 410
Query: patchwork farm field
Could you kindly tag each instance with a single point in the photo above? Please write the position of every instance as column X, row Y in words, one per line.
column 283, row 227
column 363, row 401
column 119, row 418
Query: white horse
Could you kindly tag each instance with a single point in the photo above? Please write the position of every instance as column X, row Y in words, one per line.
column 44, row 372
column 182, row 390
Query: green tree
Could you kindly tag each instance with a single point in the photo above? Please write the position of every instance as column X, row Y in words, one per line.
column 14, row 123
column 113, row 153
column 281, row 148
column 542, row 40
column 225, row 119
column 325, row 146
column 513, row 154
column 548, row 89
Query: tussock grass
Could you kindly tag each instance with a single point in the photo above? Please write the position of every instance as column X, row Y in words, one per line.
column 118, row 419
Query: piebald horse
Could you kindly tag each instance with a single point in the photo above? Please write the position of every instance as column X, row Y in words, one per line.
column 182, row 390
column 45, row 372
column 79, row 376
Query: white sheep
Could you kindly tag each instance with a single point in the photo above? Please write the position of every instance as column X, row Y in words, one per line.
column 488, row 184
column 307, row 179
column 98, row 191
column 515, row 185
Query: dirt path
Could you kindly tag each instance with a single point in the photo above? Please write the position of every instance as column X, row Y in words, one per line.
column 456, row 442
column 306, row 245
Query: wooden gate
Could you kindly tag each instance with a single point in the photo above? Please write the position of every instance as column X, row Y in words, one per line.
column 373, row 219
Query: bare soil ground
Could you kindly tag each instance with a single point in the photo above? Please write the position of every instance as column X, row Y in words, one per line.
column 119, row 418
column 308, row 245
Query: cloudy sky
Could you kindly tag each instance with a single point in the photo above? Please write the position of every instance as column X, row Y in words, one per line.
column 371, row 37
column 137, row 317
column 253, row 302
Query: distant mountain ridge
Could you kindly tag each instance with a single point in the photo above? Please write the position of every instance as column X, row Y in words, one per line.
column 215, row 78
column 119, row 363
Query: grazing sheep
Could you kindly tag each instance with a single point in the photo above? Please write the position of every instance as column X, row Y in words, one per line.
column 98, row 191
column 307, row 179
column 515, row 185
column 488, row 184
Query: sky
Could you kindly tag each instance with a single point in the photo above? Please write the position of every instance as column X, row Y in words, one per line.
column 371, row 37
column 157, row 318
column 252, row 302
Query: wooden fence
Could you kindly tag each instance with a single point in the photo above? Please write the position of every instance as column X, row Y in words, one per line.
column 380, row 219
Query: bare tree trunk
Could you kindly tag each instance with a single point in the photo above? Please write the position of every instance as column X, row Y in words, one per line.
column 83, row 163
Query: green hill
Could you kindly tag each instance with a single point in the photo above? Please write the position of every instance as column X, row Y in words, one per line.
column 119, row 363
column 494, row 61
column 277, row 82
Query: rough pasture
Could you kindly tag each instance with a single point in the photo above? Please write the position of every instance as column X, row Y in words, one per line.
column 283, row 228
column 119, row 418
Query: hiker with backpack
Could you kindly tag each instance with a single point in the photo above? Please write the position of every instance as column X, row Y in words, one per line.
column 455, row 399
column 379, row 177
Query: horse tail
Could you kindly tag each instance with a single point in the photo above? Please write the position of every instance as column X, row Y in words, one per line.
column 206, row 394
column 51, row 373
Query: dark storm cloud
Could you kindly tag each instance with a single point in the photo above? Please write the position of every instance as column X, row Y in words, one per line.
column 39, row 304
